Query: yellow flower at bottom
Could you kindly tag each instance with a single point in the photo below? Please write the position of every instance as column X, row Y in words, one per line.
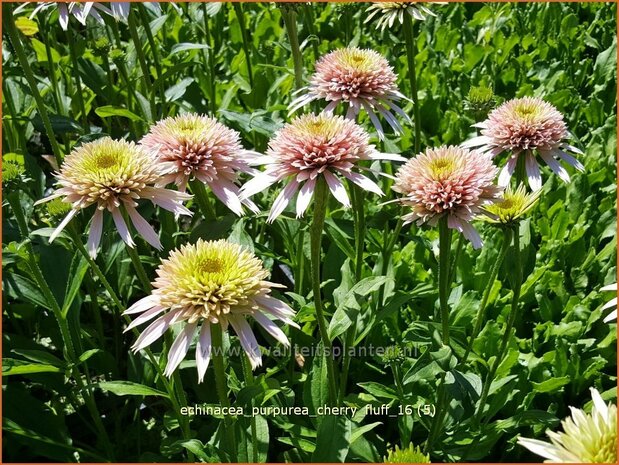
column 513, row 205
column 209, row 283
column 586, row 438
column 412, row 454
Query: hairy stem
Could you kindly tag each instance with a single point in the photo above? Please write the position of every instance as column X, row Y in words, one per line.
column 409, row 35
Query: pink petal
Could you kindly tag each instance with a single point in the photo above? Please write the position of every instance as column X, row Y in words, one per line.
column 94, row 237
column 304, row 197
column 257, row 184
column 555, row 166
column 122, row 227
column 144, row 317
column 476, row 142
column 179, row 348
column 203, row 350
column 337, row 188
column 533, row 174
column 271, row 328
column 247, row 339
column 228, row 194
column 144, row 228
column 55, row 195
column 570, row 160
column 507, row 171
column 363, row 182
column 386, row 156
column 62, row 225
column 142, row 305
column 154, row 331
column 282, row 200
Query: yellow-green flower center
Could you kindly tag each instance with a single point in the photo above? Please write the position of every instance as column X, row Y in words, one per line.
column 442, row 167
column 210, row 280
column 513, row 205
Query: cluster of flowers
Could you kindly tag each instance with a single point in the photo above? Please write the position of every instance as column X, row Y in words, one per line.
column 196, row 284
column 220, row 283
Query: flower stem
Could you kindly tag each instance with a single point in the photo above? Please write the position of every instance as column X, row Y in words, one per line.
column 183, row 420
column 63, row 324
column 9, row 27
column 290, row 20
column 479, row 319
column 443, row 275
column 511, row 319
column 249, row 381
column 351, row 333
column 199, row 191
column 238, row 9
column 78, row 81
column 139, row 269
column 221, row 384
column 210, row 56
column 320, row 209
column 135, row 37
column 409, row 36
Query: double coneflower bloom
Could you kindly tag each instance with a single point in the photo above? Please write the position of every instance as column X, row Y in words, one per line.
column 194, row 146
column 448, row 181
column 359, row 78
column 206, row 284
column 113, row 175
column 313, row 147
column 527, row 127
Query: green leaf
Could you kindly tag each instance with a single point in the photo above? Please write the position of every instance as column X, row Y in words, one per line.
column 78, row 269
column 18, row 367
column 333, row 439
column 27, row 26
column 40, row 356
column 127, row 388
column 178, row 90
column 551, row 385
column 89, row 353
column 108, row 111
column 346, row 312
column 187, row 46
column 18, row 286
column 60, row 124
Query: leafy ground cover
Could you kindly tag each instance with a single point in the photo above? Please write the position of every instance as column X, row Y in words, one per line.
column 74, row 391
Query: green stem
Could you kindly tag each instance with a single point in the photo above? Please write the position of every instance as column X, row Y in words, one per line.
column 456, row 257
column 479, row 319
column 199, row 191
column 155, row 53
column 211, row 61
column 320, row 209
column 221, row 385
column 511, row 319
column 183, row 420
column 290, row 20
column 63, row 324
column 139, row 269
column 78, row 81
column 244, row 35
column 443, row 275
column 51, row 67
column 9, row 27
column 249, row 381
column 409, row 35
column 135, row 37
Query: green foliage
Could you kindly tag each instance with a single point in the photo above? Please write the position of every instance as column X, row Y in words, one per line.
column 198, row 58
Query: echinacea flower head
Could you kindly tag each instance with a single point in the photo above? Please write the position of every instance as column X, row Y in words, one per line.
column 82, row 10
column 448, row 181
column 113, row 175
column 204, row 284
column 195, row 146
column 411, row 454
column 390, row 12
column 527, row 127
column 311, row 147
column 512, row 206
column 360, row 78
column 586, row 438
column 612, row 303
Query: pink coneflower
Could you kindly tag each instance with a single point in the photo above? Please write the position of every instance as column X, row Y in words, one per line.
column 448, row 181
column 527, row 126
column 206, row 284
column 195, row 146
column 312, row 146
column 390, row 12
column 113, row 175
column 361, row 78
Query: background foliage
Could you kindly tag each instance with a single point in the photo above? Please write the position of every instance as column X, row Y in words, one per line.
column 197, row 58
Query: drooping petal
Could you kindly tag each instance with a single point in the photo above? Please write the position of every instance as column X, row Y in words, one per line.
column 142, row 305
column 304, row 197
column 179, row 348
column 271, row 328
column 144, row 228
column 507, row 171
column 94, row 237
column 282, row 200
column 154, row 331
column 203, row 350
column 247, row 339
column 257, row 184
column 62, row 225
column 337, row 188
column 533, row 174
column 363, row 182
column 226, row 193
column 555, row 166
column 144, row 317
column 122, row 227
